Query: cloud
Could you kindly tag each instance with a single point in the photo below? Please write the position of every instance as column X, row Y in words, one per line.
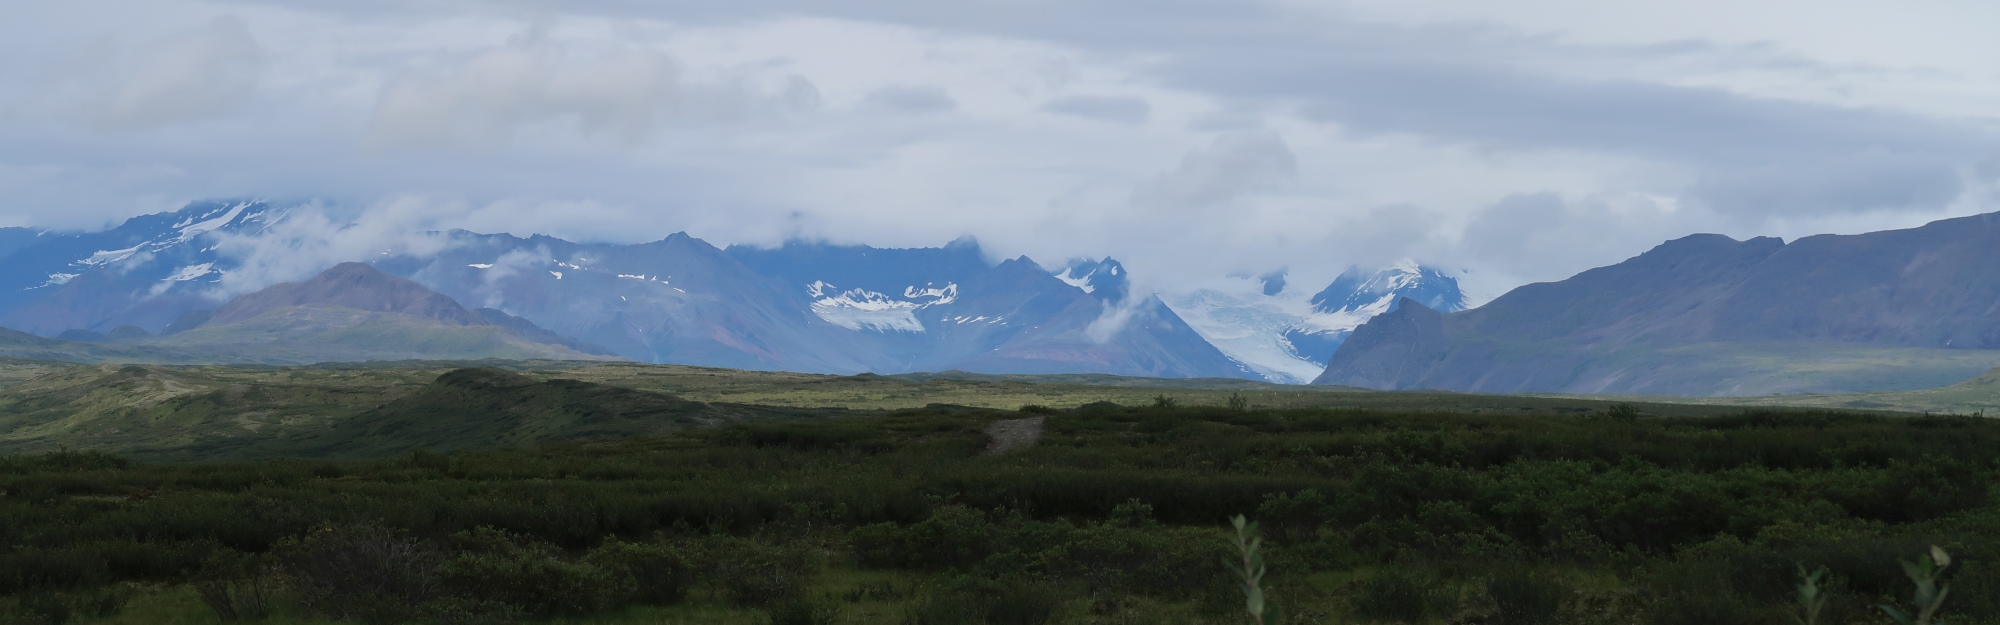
column 624, row 94
column 1531, row 140
column 191, row 75
column 1230, row 166
column 1543, row 236
column 1118, row 110
column 310, row 238
column 903, row 99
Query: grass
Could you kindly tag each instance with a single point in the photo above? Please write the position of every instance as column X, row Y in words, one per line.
column 168, row 413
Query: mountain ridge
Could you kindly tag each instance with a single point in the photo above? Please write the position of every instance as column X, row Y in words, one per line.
column 1934, row 289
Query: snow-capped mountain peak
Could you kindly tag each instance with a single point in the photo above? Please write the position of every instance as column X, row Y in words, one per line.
column 1106, row 279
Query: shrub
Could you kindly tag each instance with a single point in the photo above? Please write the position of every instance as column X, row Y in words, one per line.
column 941, row 607
column 45, row 607
column 954, row 536
column 1022, row 603
column 235, row 586
column 801, row 611
column 1523, row 598
column 651, row 574
column 42, row 607
column 751, row 573
column 362, row 572
column 495, row 567
column 1696, row 593
column 1399, row 596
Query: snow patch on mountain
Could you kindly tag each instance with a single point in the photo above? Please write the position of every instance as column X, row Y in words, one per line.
column 191, row 272
column 862, row 309
column 1068, row 276
column 189, row 230
column 56, row 279
column 1287, row 336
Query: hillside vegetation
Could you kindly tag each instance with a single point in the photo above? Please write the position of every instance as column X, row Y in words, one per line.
column 369, row 410
column 1113, row 516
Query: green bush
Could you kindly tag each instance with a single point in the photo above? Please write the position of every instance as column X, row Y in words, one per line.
column 942, row 607
column 648, row 573
column 362, row 572
column 1400, row 596
column 1521, row 597
column 495, row 567
column 801, row 611
column 1022, row 603
column 1696, row 593
column 752, row 573
column 236, row 586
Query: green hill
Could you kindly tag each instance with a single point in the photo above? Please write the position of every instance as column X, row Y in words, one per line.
column 169, row 413
column 307, row 334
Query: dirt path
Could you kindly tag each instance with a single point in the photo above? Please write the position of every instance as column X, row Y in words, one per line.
column 1011, row 434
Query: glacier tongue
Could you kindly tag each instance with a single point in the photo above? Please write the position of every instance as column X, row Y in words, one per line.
column 1287, row 336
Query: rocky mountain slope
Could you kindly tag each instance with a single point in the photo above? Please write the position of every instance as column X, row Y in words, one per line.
column 1918, row 300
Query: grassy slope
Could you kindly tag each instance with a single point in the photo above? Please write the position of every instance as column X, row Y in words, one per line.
column 1979, row 394
column 317, row 334
column 214, row 412
column 236, row 412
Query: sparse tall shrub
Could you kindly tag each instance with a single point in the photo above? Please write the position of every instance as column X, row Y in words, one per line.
column 362, row 572
column 644, row 573
column 1164, row 402
column 236, row 586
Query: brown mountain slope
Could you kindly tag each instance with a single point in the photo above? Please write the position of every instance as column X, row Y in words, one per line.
column 348, row 285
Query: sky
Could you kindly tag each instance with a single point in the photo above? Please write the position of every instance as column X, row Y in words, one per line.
column 1191, row 139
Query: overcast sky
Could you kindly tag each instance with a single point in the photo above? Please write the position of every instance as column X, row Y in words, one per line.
column 1522, row 141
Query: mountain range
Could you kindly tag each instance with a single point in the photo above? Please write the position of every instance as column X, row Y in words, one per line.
column 1700, row 315
column 1711, row 315
column 157, row 282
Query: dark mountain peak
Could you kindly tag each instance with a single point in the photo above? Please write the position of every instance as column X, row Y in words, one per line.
column 348, row 285
column 1710, row 245
column 1104, row 279
column 965, row 242
column 1360, row 291
column 1274, row 282
column 1391, row 350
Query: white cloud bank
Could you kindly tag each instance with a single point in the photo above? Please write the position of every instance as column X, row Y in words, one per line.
column 1191, row 139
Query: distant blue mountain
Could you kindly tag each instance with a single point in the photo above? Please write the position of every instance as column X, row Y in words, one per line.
column 802, row 306
column 1357, row 296
column 1710, row 315
column 145, row 272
